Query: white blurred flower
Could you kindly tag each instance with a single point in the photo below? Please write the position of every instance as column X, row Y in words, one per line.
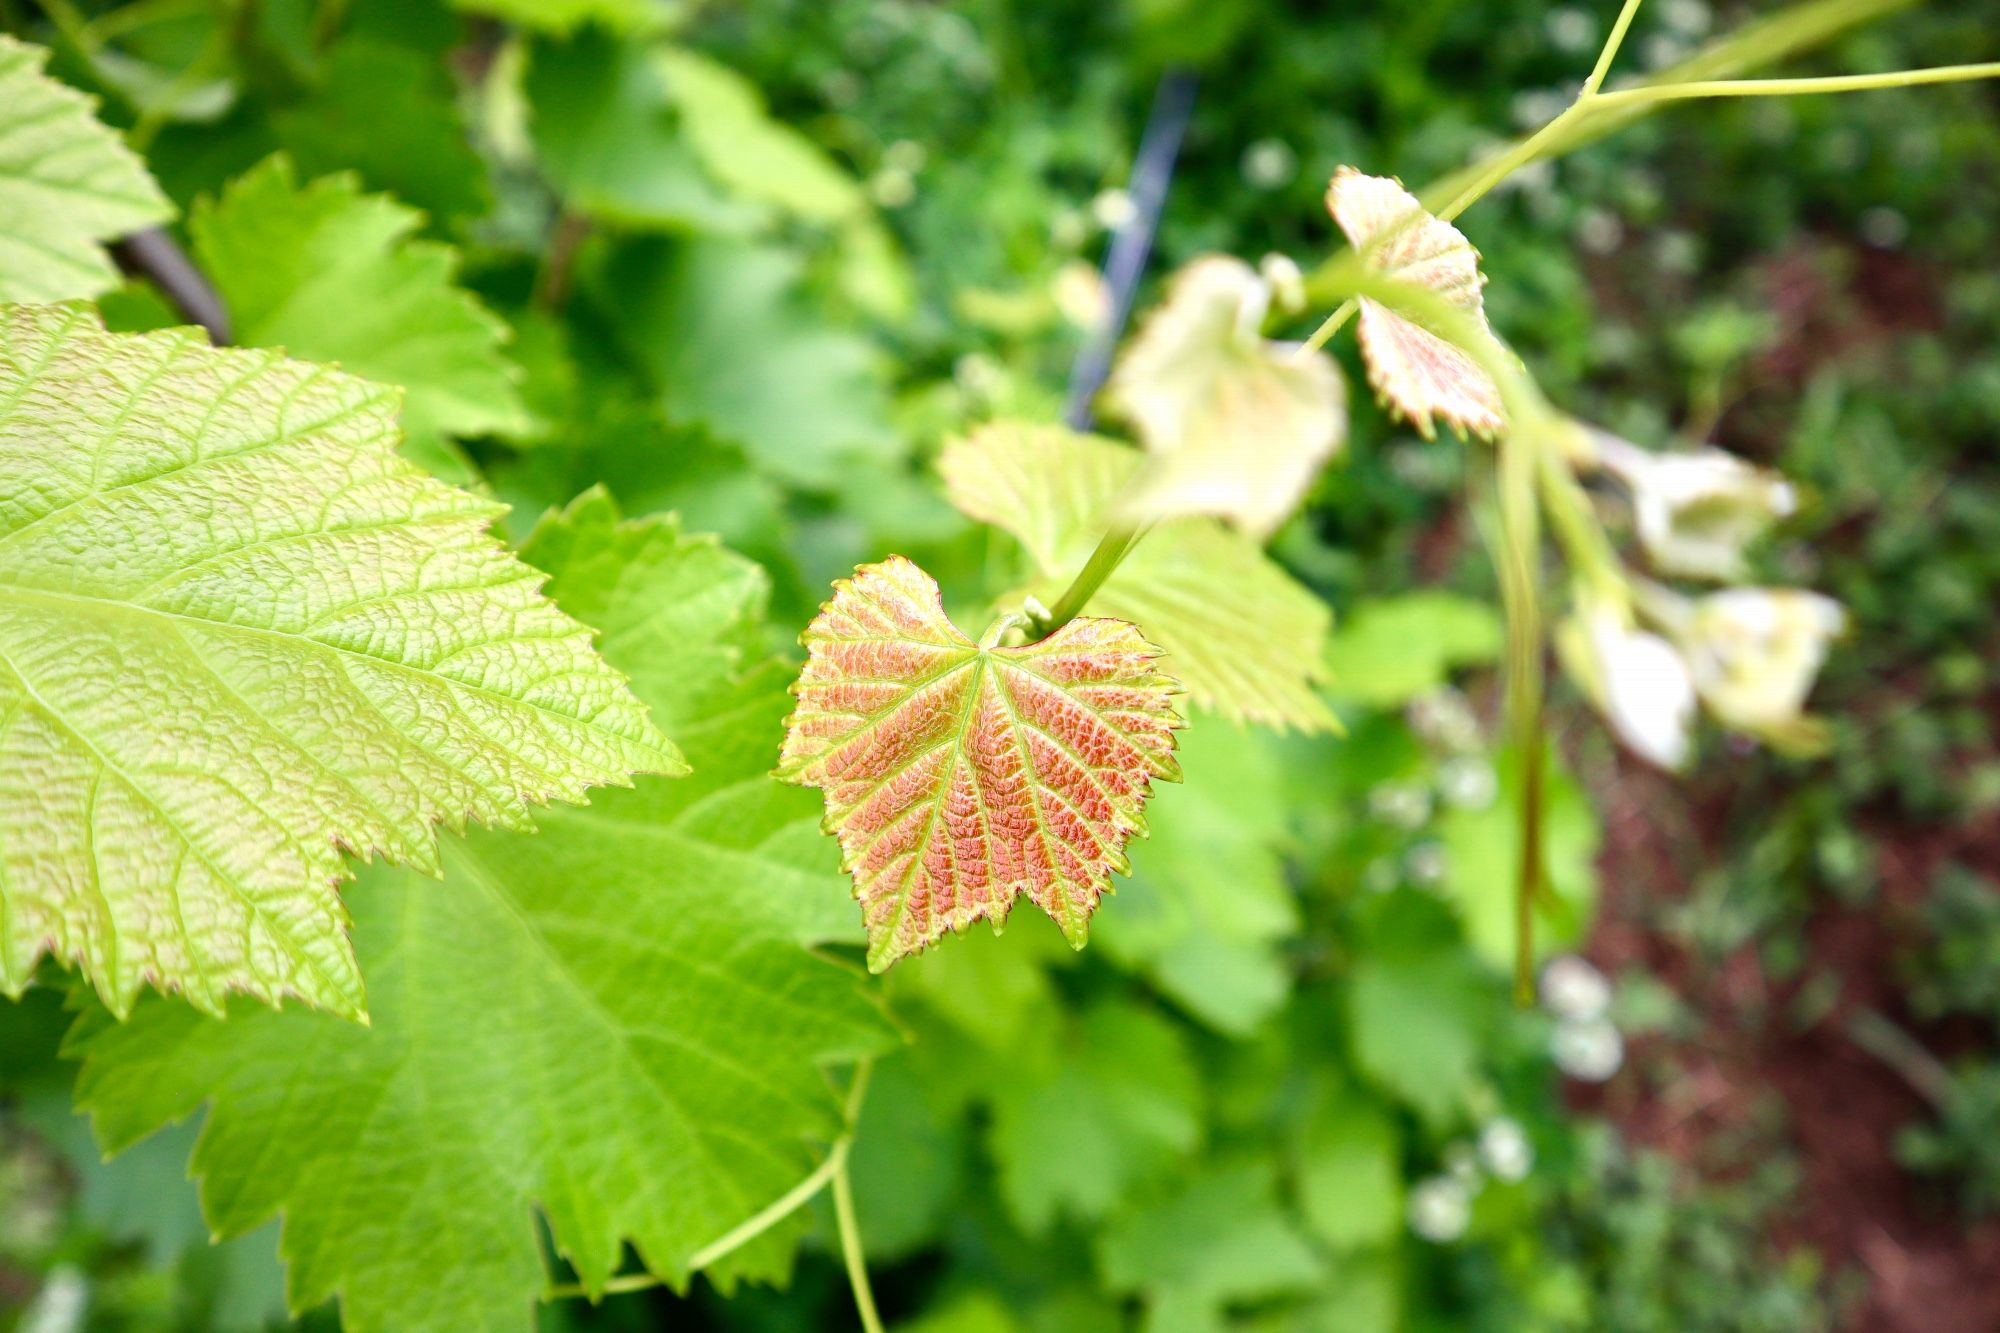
column 1288, row 285
column 1081, row 295
column 1572, row 29
column 1504, row 1148
column 1113, row 209
column 906, row 155
column 1440, row 1208
column 1468, row 782
column 1461, row 1163
column 1573, row 989
column 1426, row 864
column 1406, row 805
column 1068, row 229
column 61, row 1304
column 1590, row 1050
column 1269, row 163
column 892, row 187
column 1697, row 512
column 1754, row 654
column 1444, row 718
column 1635, row 678
column 1599, row 231
column 1689, row 18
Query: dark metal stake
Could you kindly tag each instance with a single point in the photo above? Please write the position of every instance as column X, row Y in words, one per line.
column 1173, row 102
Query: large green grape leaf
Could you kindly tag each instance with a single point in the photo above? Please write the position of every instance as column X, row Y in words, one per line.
column 1221, row 1237
column 1121, row 1096
column 1208, row 910
column 726, row 334
column 238, row 634
column 960, row 775
column 753, row 154
column 67, row 184
column 607, row 134
column 329, row 273
column 1393, row 649
column 389, row 113
column 1241, row 635
column 616, row 1021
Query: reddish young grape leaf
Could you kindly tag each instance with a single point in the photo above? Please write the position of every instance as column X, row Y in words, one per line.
column 1414, row 370
column 960, row 775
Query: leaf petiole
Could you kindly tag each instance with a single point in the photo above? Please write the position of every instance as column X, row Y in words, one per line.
column 1116, row 544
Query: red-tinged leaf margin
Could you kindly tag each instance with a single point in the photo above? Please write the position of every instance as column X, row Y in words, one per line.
column 1412, row 369
column 1033, row 763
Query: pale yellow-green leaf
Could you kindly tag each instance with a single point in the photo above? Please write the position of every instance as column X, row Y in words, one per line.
column 747, row 149
column 1239, row 426
column 239, row 635
column 1416, row 372
column 67, row 184
column 1241, row 635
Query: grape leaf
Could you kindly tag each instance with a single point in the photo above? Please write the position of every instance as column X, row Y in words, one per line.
column 1418, row 1008
column 1350, row 1175
column 67, row 183
column 607, row 135
column 329, row 273
column 724, row 333
column 1241, row 636
column 959, row 775
column 1391, row 650
column 1414, row 370
column 1123, row 1099
column 613, row 1021
column 751, row 153
column 390, row 114
column 1209, row 908
column 1240, row 426
column 238, row 634
column 1221, row 1237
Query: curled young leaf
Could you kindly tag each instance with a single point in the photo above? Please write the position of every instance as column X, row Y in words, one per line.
column 960, row 775
column 1239, row 425
column 1414, row 370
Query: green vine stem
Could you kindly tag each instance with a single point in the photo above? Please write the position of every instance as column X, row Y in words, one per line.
column 1117, row 543
column 831, row 1171
column 851, row 1253
column 1596, row 114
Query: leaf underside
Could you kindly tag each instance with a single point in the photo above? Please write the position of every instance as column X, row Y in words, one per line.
column 1418, row 373
column 958, row 776
column 1239, row 426
column 67, row 184
column 613, row 1021
column 1240, row 634
column 239, row 634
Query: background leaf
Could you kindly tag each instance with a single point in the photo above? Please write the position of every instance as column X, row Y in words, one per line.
column 67, row 184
